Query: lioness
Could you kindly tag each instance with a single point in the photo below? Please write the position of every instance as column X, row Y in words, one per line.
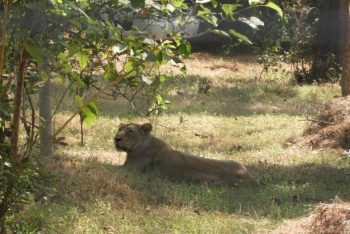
column 145, row 151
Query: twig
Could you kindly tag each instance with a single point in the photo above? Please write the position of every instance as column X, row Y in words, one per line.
column 24, row 117
column 159, row 124
column 60, row 101
column 317, row 121
column 261, row 73
column 102, row 92
column 32, row 110
column 86, row 103
column 32, row 123
column 34, row 126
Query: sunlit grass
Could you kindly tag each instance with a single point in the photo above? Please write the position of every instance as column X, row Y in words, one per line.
column 239, row 119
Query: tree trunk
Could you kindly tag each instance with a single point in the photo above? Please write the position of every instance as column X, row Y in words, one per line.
column 326, row 42
column 345, row 81
column 45, row 126
column 17, row 103
column 5, row 17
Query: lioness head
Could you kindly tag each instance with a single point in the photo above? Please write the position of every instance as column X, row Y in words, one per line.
column 131, row 136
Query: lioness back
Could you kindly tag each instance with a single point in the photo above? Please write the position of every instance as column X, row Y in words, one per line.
column 145, row 151
column 179, row 165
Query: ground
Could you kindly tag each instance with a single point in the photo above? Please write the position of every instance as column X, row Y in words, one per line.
column 238, row 118
column 330, row 128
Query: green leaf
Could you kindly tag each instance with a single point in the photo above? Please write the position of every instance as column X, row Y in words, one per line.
column 253, row 22
column 110, row 72
column 76, row 23
column 177, row 3
column 275, row 7
column 147, row 79
column 93, row 107
column 159, row 98
column 138, row 3
column 240, row 36
column 90, row 112
column 207, row 15
column 90, row 20
column 210, row 19
column 204, row 11
column 229, row 9
column 214, row 3
column 220, row 32
column 77, row 80
column 83, row 60
column 256, row 2
column 202, row 1
column 185, row 48
column 79, row 101
column 170, row 8
column 35, row 51
column 128, row 67
column 90, row 117
column 162, row 78
column 119, row 48
column 160, row 59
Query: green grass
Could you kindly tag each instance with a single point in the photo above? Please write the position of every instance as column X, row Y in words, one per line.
column 240, row 118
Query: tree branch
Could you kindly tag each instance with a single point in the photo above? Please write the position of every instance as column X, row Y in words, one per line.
column 86, row 103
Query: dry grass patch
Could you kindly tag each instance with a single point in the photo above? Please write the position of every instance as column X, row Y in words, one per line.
column 81, row 182
column 325, row 219
column 330, row 128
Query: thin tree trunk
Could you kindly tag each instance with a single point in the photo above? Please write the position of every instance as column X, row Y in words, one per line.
column 81, row 118
column 5, row 17
column 45, row 127
column 17, row 103
column 345, row 81
column 326, row 41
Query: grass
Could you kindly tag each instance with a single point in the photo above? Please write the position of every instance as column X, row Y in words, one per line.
column 240, row 119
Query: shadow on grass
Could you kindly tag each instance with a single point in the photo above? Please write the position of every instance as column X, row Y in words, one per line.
column 243, row 97
column 289, row 191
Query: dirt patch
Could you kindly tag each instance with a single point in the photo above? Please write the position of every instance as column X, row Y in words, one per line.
column 330, row 128
column 326, row 219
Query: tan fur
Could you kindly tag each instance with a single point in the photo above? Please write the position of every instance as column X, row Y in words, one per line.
column 145, row 151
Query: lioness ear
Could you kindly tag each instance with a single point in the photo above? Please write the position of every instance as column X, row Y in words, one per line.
column 146, row 128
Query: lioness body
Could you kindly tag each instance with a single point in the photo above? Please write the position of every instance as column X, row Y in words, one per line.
column 145, row 151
